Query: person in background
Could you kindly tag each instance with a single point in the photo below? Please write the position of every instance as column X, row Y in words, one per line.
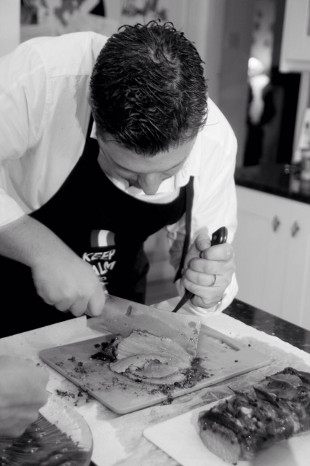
column 22, row 393
column 103, row 143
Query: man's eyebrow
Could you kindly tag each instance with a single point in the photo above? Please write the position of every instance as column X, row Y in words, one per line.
column 103, row 149
column 132, row 171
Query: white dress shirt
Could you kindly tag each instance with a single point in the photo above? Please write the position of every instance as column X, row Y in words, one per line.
column 44, row 115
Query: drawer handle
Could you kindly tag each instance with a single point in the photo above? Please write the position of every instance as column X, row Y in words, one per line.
column 295, row 229
column 275, row 223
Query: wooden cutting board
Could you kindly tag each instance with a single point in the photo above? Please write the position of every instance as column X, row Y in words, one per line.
column 179, row 438
column 221, row 357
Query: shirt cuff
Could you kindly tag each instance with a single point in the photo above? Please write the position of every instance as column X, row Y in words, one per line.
column 229, row 295
column 9, row 210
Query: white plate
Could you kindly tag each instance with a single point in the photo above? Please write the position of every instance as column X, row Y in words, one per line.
column 179, row 438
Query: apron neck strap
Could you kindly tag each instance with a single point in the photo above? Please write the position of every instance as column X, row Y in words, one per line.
column 90, row 126
column 188, row 223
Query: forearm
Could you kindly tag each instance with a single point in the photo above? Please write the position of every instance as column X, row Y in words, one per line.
column 60, row 276
column 28, row 241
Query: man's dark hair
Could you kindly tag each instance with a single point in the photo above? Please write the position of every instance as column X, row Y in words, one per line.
column 148, row 88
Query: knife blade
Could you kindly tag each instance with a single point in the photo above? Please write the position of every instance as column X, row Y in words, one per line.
column 218, row 237
column 121, row 316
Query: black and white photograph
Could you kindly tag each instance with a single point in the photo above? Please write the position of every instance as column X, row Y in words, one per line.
column 155, row 232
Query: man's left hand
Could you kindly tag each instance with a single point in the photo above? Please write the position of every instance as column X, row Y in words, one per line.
column 209, row 271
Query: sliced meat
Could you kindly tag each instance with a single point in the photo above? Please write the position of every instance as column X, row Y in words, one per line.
column 143, row 342
column 178, row 378
column 151, row 368
column 152, row 365
column 152, row 359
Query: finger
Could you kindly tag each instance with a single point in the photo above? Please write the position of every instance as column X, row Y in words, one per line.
column 211, row 267
column 202, row 242
column 207, row 303
column 96, row 302
column 63, row 305
column 204, row 279
column 219, row 252
column 79, row 307
column 206, row 296
column 46, row 299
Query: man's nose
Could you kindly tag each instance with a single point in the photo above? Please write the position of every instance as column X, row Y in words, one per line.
column 149, row 182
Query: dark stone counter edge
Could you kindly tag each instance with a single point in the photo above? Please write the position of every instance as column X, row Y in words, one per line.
column 278, row 179
column 270, row 324
column 275, row 190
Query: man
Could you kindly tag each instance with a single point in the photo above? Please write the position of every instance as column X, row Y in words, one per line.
column 104, row 142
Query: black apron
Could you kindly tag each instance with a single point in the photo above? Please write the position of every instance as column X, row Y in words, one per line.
column 103, row 225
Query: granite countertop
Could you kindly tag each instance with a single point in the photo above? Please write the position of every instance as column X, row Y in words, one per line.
column 278, row 179
column 270, row 324
column 119, row 440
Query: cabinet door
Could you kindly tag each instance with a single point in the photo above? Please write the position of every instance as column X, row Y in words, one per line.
column 259, row 246
column 295, row 49
column 296, row 285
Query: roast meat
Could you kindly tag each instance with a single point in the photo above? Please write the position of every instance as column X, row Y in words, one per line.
column 145, row 357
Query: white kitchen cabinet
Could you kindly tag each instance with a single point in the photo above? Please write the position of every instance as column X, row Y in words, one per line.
column 295, row 49
column 272, row 247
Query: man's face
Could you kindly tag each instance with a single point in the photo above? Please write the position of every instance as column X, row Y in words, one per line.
column 143, row 172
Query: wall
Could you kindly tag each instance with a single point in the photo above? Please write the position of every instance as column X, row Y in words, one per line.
column 204, row 26
column 233, row 87
column 9, row 25
column 201, row 20
column 303, row 104
column 264, row 19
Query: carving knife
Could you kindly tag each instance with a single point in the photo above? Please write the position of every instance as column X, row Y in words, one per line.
column 121, row 317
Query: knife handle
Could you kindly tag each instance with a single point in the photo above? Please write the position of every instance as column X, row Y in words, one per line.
column 218, row 237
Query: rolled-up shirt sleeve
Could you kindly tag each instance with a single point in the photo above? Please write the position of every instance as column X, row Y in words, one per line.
column 22, row 101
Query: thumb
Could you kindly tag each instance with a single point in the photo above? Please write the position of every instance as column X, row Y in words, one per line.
column 201, row 243
column 96, row 302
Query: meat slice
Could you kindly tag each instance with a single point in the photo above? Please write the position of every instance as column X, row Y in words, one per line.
column 150, row 358
column 152, row 368
column 152, row 365
column 143, row 342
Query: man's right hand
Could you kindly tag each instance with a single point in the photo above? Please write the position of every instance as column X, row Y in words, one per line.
column 61, row 277
column 68, row 283
column 22, row 393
